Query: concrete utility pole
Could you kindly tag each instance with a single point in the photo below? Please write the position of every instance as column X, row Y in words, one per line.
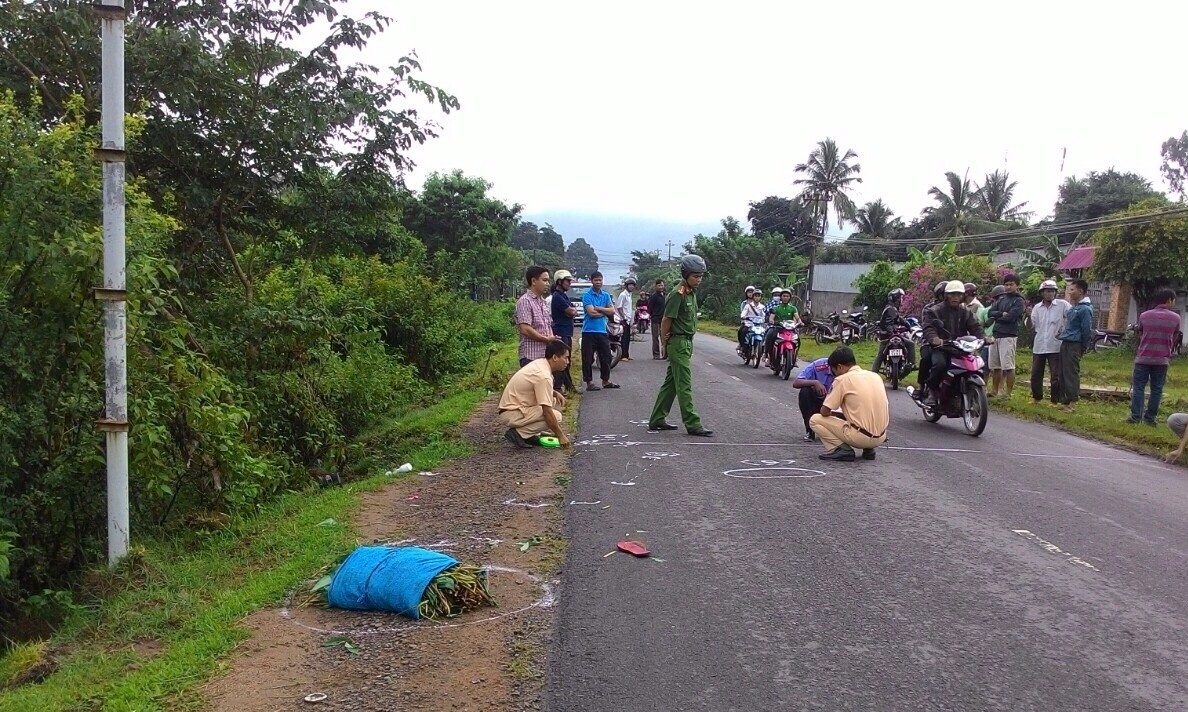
column 670, row 251
column 819, row 198
column 114, row 293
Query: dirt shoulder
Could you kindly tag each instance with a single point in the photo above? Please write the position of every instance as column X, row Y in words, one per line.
column 477, row 508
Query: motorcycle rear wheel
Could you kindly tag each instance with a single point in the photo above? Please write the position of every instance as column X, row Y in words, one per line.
column 975, row 412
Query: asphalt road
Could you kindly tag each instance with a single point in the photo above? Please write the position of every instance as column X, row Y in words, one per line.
column 1027, row 569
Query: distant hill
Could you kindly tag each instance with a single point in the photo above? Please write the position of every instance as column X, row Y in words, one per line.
column 615, row 236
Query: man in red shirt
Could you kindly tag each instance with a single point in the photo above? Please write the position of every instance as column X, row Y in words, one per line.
column 1157, row 330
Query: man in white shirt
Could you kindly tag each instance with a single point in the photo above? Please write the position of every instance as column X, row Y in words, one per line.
column 625, row 309
column 1047, row 319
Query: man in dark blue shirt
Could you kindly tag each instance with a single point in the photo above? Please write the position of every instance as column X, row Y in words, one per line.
column 814, row 382
column 563, row 312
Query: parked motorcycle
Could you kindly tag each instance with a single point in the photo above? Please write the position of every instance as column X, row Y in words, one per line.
column 837, row 326
column 615, row 332
column 642, row 318
column 962, row 391
column 895, row 364
column 915, row 331
column 751, row 351
column 784, row 350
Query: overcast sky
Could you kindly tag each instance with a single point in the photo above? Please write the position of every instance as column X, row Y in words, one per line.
column 664, row 110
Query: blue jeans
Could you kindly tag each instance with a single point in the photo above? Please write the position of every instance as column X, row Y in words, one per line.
column 1157, row 375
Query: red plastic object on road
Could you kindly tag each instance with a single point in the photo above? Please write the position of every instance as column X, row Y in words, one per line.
column 633, row 547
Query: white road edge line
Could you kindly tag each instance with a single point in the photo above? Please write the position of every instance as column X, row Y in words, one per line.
column 1053, row 549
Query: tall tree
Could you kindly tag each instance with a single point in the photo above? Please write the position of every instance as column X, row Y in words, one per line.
column 1100, row 194
column 1146, row 256
column 224, row 83
column 957, row 208
column 876, row 220
column 830, row 170
column 582, row 259
column 551, row 240
column 525, row 236
column 996, row 199
column 737, row 259
column 1175, row 163
column 454, row 212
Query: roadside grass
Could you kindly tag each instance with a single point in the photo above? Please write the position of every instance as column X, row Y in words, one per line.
column 1103, row 418
column 159, row 624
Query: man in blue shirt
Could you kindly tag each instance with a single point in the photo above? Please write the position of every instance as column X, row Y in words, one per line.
column 814, row 381
column 563, row 311
column 597, row 305
column 1074, row 338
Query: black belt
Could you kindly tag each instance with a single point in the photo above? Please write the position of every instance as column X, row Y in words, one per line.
column 866, row 432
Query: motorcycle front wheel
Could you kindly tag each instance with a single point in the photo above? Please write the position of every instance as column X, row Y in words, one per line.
column 975, row 412
column 755, row 351
column 787, row 365
column 895, row 375
column 616, row 353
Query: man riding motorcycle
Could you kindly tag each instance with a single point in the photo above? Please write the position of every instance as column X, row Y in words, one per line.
column 784, row 310
column 888, row 320
column 750, row 311
column 956, row 321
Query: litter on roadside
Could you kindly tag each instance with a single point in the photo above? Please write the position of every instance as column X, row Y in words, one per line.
column 634, row 548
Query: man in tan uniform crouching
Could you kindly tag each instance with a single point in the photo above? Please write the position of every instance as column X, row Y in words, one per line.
column 855, row 414
column 529, row 406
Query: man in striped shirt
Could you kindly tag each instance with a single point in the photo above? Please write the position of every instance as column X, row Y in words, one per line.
column 532, row 316
column 1157, row 330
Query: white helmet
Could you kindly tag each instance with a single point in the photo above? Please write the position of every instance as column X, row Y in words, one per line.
column 775, row 291
column 749, row 289
column 562, row 274
column 955, row 287
column 1048, row 284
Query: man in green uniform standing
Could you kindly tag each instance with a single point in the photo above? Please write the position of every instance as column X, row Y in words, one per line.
column 676, row 332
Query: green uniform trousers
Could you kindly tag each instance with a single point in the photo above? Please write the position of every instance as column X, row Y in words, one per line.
column 678, row 384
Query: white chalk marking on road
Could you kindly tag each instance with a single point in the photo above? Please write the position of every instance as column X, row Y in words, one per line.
column 624, row 484
column 518, row 503
column 576, row 502
column 1053, row 549
column 736, row 378
column 815, row 473
column 767, row 463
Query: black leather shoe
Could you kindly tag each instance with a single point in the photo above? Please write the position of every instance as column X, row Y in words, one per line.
column 516, row 439
column 701, row 432
column 810, row 437
column 844, row 453
column 662, row 425
column 868, row 454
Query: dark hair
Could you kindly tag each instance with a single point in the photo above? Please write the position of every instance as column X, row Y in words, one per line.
column 659, row 281
column 842, row 356
column 1010, row 277
column 1080, row 284
column 595, row 275
column 556, row 348
column 533, row 272
column 1165, row 295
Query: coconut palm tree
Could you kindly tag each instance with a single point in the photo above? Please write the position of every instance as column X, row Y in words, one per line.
column 828, row 170
column 875, row 219
column 957, row 210
column 995, row 196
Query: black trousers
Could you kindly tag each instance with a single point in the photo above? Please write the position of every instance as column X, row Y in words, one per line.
column 625, row 340
column 810, row 403
column 1038, row 363
column 656, row 353
column 937, row 365
column 925, row 364
column 596, row 343
column 563, row 380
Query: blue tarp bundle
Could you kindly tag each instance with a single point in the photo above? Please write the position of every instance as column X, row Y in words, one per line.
column 385, row 578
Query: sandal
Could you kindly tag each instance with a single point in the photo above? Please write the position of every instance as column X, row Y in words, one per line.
column 610, row 385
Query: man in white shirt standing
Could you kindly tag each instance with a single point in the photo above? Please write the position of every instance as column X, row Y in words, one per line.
column 1047, row 319
column 625, row 308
